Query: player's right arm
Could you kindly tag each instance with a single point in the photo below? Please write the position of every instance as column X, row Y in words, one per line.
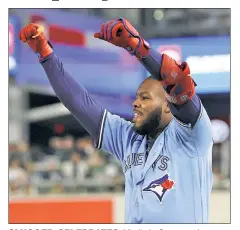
column 106, row 129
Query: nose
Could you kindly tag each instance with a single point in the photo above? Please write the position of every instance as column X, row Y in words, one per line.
column 136, row 103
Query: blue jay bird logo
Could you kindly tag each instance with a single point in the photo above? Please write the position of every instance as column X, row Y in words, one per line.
column 160, row 186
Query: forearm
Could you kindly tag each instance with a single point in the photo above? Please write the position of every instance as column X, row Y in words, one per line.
column 152, row 64
column 74, row 96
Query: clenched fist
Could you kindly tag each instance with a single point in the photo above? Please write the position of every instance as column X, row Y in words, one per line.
column 33, row 34
column 121, row 33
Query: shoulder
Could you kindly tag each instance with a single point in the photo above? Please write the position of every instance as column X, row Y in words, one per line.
column 125, row 127
column 196, row 139
column 201, row 127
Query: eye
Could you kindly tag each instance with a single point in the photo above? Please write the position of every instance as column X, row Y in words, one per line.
column 145, row 97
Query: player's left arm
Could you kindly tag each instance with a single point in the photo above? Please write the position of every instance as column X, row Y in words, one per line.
column 192, row 124
column 175, row 78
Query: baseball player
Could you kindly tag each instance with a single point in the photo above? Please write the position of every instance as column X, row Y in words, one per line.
column 166, row 150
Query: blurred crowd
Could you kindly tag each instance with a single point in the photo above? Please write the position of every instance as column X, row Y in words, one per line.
column 70, row 165
column 65, row 165
column 221, row 165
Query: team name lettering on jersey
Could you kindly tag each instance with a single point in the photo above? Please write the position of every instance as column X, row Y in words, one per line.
column 136, row 159
column 163, row 162
column 133, row 159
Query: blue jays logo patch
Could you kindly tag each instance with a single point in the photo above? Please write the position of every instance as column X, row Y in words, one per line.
column 160, row 186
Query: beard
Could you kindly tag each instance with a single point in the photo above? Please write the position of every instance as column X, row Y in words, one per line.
column 151, row 124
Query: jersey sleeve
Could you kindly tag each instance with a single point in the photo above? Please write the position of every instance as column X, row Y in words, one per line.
column 198, row 136
column 114, row 135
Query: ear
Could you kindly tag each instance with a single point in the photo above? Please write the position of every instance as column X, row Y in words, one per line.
column 166, row 108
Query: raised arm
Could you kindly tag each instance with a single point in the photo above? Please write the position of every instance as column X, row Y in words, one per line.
column 108, row 131
column 74, row 96
column 174, row 77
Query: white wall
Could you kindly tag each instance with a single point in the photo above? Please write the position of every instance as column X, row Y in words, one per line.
column 220, row 207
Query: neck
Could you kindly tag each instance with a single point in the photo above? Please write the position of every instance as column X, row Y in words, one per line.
column 155, row 133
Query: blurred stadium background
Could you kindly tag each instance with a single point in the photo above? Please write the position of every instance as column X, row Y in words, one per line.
column 53, row 165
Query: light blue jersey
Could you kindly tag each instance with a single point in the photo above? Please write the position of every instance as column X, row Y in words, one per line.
column 174, row 184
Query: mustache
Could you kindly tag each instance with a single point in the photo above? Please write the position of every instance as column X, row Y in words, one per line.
column 137, row 111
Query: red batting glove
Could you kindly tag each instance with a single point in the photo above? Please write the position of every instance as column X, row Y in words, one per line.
column 121, row 33
column 34, row 36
